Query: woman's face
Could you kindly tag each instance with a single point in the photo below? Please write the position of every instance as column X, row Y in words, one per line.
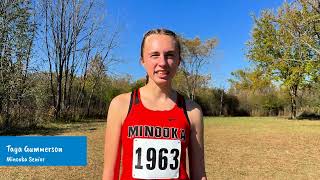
column 160, row 58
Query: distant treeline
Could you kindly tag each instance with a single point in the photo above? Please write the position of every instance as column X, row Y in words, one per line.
column 92, row 101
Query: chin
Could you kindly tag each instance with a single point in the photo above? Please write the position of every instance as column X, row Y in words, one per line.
column 162, row 82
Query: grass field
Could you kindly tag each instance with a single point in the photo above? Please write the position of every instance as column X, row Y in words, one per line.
column 262, row 148
column 236, row 148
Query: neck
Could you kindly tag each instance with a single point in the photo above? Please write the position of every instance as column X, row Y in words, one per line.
column 159, row 91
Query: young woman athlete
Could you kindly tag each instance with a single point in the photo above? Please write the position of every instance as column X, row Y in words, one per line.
column 152, row 129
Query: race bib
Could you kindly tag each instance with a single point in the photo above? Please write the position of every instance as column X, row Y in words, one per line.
column 156, row 158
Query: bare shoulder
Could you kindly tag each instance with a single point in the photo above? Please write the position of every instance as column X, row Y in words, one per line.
column 121, row 100
column 194, row 111
column 120, row 105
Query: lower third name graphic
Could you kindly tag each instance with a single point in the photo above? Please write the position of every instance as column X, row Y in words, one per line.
column 28, row 149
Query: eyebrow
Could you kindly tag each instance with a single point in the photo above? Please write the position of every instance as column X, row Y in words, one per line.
column 157, row 52
column 170, row 52
column 153, row 52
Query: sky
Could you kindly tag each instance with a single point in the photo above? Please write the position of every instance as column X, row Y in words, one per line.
column 229, row 21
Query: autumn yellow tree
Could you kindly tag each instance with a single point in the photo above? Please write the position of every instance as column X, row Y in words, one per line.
column 195, row 54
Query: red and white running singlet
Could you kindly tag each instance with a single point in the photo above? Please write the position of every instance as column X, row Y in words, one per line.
column 154, row 142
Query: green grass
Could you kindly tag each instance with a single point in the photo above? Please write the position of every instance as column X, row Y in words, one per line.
column 235, row 147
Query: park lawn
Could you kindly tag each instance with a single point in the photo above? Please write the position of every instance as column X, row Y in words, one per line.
column 235, row 147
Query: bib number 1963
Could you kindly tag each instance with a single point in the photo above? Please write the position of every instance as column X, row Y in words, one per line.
column 156, row 158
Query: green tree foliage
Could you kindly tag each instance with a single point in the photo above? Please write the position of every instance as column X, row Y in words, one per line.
column 16, row 41
column 216, row 102
column 250, row 80
column 138, row 83
column 183, row 80
column 96, row 77
column 256, row 93
column 310, row 99
column 278, row 46
column 209, row 100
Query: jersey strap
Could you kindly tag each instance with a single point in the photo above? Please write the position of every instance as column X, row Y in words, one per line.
column 133, row 99
column 130, row 105
column 182, row 104
column 136, row 97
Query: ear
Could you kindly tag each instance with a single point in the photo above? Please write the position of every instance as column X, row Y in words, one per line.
column 141, row 61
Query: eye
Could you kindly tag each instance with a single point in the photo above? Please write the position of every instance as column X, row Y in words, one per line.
column 170, row 55
column 154, row 55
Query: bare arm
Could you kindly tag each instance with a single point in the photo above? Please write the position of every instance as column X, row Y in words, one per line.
column 116, row 115
column 196, row 146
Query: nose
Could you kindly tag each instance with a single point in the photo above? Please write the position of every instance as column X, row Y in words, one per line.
column 163, row 60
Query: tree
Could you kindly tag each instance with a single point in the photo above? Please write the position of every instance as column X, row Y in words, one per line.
column 188, row 84
column 195, row 55
column 310, row 17
column 256, row 93
column 71, row 37
column 64, row 30
column 277, row 49
column 17, row 33
column 96, row 73
column 251, row 80
column 138, row 83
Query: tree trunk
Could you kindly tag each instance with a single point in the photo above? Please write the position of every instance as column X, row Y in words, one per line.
column 221, row 103
column 7, row 121
column 66, row 81
column 59, row 81
column 293, row 95
column 89, row 102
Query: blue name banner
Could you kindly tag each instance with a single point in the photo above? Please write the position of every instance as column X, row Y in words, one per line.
column 43, row 150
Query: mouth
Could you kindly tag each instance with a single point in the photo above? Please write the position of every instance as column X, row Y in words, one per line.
column 162, row 72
